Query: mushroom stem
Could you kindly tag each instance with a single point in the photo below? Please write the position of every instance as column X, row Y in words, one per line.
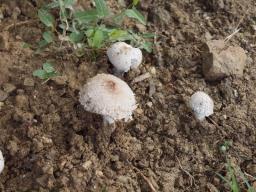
column 107, row 120
column 118, row 73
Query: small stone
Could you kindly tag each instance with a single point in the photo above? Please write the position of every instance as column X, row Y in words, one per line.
column 29, row 82
column 99, row 173
column 123, row 179
column 221, row 60
column 149, row 104
column 3, row 95
column 12, row 147
column 86, row 165
column 1, row 105
column 141, row 28
column 60, row 80
column 22, row 101
column 153, row 70
column 139, row 111
column 8, row 87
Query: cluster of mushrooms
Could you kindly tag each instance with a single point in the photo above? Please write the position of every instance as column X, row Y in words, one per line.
column 112, row 98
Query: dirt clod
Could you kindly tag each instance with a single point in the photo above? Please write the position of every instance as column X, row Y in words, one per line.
column 221, row 60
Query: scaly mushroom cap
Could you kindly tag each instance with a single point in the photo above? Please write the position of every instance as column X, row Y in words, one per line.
column 124, row 56
column 201, row 104
column 109, row 96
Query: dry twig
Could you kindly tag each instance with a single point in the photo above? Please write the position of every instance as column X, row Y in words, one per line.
column 192, row 179
column 146, row 179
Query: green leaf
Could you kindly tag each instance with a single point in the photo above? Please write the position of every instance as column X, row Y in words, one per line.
column 48, row 36
column 68, row 3
column 26, row 45
column 86, row 16
column 48, row 68
column 135, row 2
column 119, row 18
column 43, row 43
column 76, row 37
column 234, row 183
column 98, row 38
column 148, row 46
column 52, row 74
column 102, row 8
column 52, row 5
column 119, row 35
column 135, row 14
column 42, row 74
column 148, row 35
column 46, row 18
column 89, row 32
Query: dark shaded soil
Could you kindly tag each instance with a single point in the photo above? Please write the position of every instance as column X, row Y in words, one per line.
column 51, row 144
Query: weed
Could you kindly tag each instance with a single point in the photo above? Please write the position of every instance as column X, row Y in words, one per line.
column 47, row 72
column 94, row 28
column 233, row 173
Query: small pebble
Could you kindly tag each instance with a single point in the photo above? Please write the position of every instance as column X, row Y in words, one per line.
column 141, row 77
column 60, row 80
column 3, row 95
column 8, row 87
column 29, row 82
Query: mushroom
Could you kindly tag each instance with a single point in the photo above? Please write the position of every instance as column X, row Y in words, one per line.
column 201, row 104
column 108, row 96
column 124, row 57
column 1, row 162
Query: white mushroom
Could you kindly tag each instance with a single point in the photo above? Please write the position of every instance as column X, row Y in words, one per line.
column 109, row 96
column 124, row 57
column 1, row 162
column 201, row 104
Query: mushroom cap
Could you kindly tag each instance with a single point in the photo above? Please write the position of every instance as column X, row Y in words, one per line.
column 1, row 162
column 201, row 104
column 109, row 96
column 124, row 56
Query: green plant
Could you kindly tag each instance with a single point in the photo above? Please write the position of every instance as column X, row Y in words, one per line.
column 94, row 28
column 233, row 172
column 47, row 72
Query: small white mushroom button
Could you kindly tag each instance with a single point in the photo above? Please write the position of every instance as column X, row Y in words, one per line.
column 201, row 104
column 124, row 57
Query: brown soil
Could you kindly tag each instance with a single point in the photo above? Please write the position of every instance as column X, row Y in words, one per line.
column 51, row 144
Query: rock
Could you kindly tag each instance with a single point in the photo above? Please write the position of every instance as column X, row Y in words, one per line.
column 141, row 28
column 3, row 95
column 60, row 80
column 8, row 87
column 29, row 82
column 22, row 101
column 221, row 60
